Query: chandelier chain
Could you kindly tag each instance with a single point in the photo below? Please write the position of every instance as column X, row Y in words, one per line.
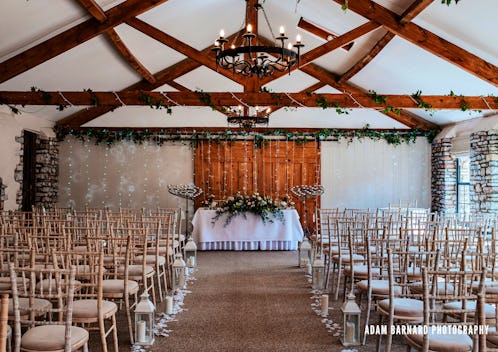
column 268, row 23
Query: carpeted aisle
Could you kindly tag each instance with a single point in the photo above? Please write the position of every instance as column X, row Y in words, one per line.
column 248, row 301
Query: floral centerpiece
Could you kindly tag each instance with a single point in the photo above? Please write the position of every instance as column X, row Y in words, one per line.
column 264, row 206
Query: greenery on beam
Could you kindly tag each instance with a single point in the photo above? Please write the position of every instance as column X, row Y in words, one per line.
column 109, row 137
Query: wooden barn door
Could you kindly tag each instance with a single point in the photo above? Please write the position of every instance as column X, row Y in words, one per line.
column 224, row 168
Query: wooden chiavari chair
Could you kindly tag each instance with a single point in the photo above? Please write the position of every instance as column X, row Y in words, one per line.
column 55, row 332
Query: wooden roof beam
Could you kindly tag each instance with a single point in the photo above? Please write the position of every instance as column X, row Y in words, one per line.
column 183, row 48
column 94, row 9
column 72, row 37
column 252, row 84
column 426, row 40
column 166, row 76
column 189, row 98
column 403, row 117
column 415, row 8
column 321, row 32
column 129, row 57
column 326, row 48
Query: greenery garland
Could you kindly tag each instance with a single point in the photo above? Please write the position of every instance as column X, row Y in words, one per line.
column 108, row 137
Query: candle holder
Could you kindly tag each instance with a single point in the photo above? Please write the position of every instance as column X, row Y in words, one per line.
column 304, row 253
column 179, row 268
column 303, row 192
column 351, row 320
column 318, row 274
column 191, row 255
column 189, row 192
column 144, row 321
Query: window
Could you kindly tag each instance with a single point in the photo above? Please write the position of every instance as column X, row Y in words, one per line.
column 463, row 184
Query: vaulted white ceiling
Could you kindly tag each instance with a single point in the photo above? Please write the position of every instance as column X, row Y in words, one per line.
column 401, row 67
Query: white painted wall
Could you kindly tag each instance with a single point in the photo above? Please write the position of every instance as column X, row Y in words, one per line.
column 12, row 126
column 372, row 174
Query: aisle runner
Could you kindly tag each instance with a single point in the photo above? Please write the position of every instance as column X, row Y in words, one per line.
column 162, row 318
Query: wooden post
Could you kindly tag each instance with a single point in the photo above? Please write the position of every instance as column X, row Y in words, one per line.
column 4, row 322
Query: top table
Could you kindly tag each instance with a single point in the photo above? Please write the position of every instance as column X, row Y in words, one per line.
column 246, row 233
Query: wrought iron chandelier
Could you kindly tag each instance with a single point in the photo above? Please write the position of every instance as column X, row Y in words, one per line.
column 249, row 59
column 245, row 118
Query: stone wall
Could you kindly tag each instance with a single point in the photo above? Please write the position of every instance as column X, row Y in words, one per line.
column 484, row 171
column 444, row 177
column 3, row 194
column 46, row 172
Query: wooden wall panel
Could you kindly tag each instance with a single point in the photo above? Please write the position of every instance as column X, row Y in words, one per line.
column 225, row 168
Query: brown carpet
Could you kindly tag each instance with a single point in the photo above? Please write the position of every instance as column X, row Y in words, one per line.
column 250, row 301
column 247, row 301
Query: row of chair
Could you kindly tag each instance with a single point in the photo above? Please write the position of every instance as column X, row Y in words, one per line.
column 114, row 256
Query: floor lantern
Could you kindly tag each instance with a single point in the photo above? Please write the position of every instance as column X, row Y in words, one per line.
column 318, row 274
column 191, row 254
column 304, row 253
column 351, row 318
column 179, row 267
column 144, row 321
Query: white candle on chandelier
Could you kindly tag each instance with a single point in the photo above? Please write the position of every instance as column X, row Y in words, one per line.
column 216, row 43
column 298, row 39
column 249, row 28
column 232, row 46
column 222, row 33
column 289, row 46
column 282, row 31
column 268, row 110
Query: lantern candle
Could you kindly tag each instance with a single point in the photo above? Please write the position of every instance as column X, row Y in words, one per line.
column 141, row 331
column 325, row 305
column 169, row 305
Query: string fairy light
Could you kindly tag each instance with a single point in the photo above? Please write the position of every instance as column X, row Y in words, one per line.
column 70, row 171
column 277, row 178
column 246, row 160
column 146, row 179
column 87, row 173
column 104, row 177
column 119, row 99
column 65, row 99
column 295, row 101
column 270, row 171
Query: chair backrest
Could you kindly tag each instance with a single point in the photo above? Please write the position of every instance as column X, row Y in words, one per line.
column 59, row 291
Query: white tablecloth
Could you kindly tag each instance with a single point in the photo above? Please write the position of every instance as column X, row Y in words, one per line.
column 249, row 233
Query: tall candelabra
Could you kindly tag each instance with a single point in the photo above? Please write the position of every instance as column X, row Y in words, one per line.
column 303, row 192
column 189, row 192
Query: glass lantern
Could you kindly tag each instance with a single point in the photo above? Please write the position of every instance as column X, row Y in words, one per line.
column 318, row 274
column 304, row 253
column 179, row 267
column 191, row 254
column 144, row 321
column 351, row 318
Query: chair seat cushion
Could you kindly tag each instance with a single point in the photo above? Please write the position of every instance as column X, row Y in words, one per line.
column 38, row 304
column 379, row 287
column 111, row 286
column 5, row 283
column 151, row 259
column 361, row 270
column 407, row 309
column 47, row 286
column 345, row 258
column 87, row 309
column 470, row 307
column 135, row 270
column 440, row 342
column 442, row 287
column 51, row 338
